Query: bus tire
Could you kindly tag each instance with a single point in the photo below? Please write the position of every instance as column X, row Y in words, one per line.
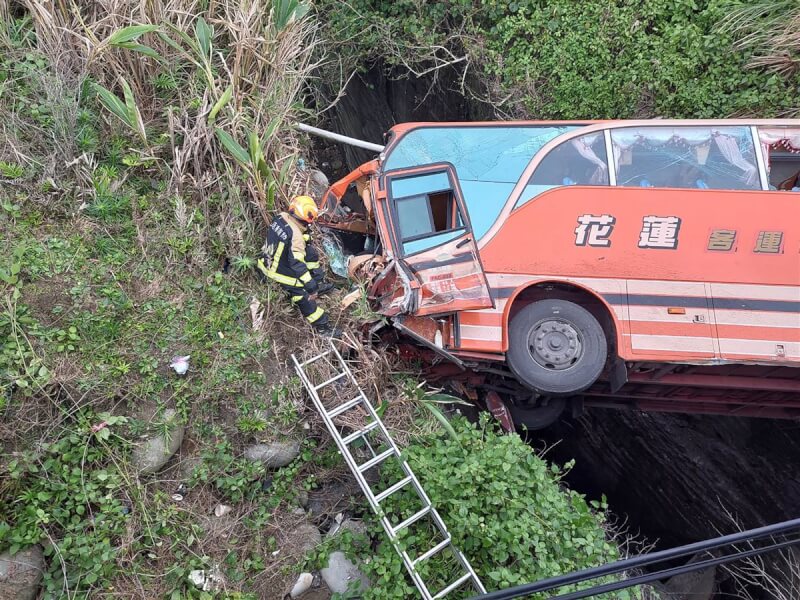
column 556, row 347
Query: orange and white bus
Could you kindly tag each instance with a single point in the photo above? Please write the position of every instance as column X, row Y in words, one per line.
column 608, row 261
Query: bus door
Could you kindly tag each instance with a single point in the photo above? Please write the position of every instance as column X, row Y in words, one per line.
column 433, row 241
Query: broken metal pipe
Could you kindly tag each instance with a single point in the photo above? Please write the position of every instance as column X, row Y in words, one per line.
column 339, row 138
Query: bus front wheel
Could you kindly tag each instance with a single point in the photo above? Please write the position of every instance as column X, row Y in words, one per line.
column 556, row 347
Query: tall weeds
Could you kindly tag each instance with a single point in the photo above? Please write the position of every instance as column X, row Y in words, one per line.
column 771, row 30
column 202, row 92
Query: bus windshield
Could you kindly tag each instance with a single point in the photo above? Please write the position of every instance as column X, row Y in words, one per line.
column 488, row 160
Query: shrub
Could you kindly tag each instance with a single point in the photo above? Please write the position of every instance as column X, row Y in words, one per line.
column 504, row 507
column 560, row 59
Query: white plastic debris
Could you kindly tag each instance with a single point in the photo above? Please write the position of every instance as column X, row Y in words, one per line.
column 180, row 364
column 197, row 578
column 208, row 581
column 222, row 509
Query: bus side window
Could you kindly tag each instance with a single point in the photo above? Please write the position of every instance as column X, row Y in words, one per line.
column 781, row 149
column 580, row 161
column 427, row 212
column 700, row 157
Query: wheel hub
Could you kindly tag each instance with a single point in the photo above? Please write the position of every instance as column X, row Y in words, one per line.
column 555, row 344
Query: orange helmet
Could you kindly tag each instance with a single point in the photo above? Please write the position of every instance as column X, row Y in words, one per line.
column 304, row 208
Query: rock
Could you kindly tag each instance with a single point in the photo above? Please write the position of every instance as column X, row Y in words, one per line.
column 340, row 572
column 353, row 525
column 274, row 455
column 303, row 585
column 152, row 454
column 302, row 498
column 697, row 585
column 334, row 497
column 318, row 182
column 21, row 574
column 222, row 509
column 304, row 538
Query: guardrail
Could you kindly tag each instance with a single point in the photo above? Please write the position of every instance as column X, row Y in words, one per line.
column 790, row 530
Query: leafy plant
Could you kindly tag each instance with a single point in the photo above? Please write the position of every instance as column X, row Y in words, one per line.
column 505, row 509
column 71, row 494
column 127, row 111
column 11, row 170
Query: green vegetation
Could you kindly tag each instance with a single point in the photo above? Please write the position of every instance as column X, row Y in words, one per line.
column 528, row 527
column 140, row 161
column 586, row 60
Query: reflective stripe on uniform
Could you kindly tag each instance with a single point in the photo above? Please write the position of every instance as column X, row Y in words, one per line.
column 315, row 316
column 305, row 277
column 306, row 237
column 296, row 299
column 272, row 273
column 312, row 265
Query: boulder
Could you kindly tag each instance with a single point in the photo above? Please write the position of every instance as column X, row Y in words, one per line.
column 318, row 182
column 153, row 453
column 21, row 574
column 354, row 525
column 340, row 572
column 697, row 585
column 274, row 455
column 304, row 538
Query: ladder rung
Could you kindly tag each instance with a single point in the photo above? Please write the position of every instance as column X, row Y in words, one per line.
column 458, row 582
column 375, row 460
column 316, row 358
column 412, row 519
column 357, row 434
column 330, row 381
column 345, row 407
column 440, row 546
column 393, row 489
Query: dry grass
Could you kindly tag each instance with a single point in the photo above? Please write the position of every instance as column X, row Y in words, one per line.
column 771, row 30
column 264, row 64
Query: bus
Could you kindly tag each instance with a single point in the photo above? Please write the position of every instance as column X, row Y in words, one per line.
column 646, row 263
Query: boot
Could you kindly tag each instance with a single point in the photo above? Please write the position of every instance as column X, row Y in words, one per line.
column 328, row 330
column 325, row 288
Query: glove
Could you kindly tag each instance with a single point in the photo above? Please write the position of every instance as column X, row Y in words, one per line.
column 311, row 287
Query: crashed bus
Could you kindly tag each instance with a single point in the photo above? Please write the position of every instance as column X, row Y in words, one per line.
column 545, row 265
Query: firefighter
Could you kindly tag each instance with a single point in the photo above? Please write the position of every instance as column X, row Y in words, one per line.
column 289, row 258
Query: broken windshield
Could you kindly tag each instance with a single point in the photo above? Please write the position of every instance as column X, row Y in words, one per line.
column 488, row 160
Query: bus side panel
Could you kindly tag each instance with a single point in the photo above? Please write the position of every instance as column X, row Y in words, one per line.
column 486, row 330
column 745, row 246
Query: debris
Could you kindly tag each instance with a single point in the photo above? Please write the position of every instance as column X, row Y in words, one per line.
column 21, row 574
column 222, row 509
column 351, row 298
column 340, row 572
column 180, row 493
column 152, row 454
column 303, row 585
column 256, row 314
column 210, row 580
column 180, row 364
column 336, row 259
column 274, row 455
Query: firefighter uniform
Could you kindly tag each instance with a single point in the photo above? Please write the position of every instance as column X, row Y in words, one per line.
column 289, row 259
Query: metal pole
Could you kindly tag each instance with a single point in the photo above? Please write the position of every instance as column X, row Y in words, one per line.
column 666, row 573
column 339, row 138
column 643, row 560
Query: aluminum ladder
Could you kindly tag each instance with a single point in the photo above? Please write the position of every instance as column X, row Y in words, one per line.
column 336, row 375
